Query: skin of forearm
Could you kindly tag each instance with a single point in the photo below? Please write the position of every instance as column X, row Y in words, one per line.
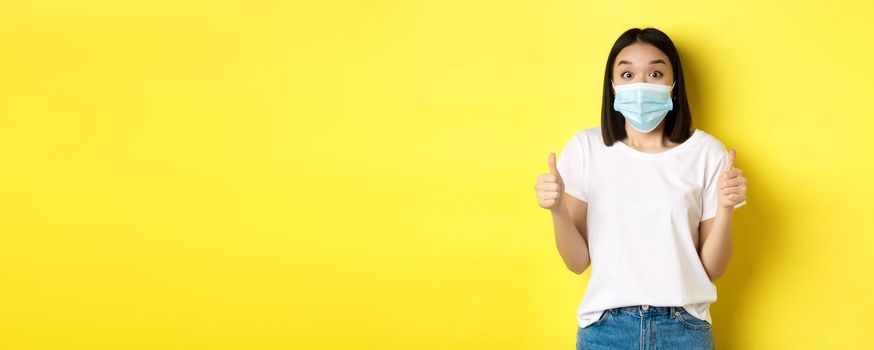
column 716, row 251
column 571, row 245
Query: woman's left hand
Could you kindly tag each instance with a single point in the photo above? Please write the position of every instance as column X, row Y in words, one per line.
column 732, row 184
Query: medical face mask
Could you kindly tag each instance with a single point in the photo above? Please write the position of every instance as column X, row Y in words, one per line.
column 643, row 105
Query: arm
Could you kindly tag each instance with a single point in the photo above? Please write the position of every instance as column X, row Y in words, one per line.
column 569, row 222
column 715, row 245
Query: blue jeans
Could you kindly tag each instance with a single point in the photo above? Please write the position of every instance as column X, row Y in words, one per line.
column 645, row 327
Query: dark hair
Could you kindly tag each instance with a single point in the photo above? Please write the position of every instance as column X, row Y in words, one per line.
column 678, row 121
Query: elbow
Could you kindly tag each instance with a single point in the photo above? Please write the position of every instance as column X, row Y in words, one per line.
column 716, row 268
column 715, row 275
column 578, row 269
column 712, row 277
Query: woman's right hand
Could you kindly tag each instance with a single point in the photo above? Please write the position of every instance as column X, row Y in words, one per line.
column 549, row 187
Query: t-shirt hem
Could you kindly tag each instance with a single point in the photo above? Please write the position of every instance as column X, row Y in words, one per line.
column 577, row 194
column 595, row 316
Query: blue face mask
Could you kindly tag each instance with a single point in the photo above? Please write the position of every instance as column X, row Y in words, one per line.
column 643, row 105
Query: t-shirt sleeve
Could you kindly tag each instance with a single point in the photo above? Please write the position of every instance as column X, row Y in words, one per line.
column 570, row 167
column 710, row 199
column 711, row 186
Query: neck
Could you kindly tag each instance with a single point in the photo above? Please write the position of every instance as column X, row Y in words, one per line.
column 653, row 140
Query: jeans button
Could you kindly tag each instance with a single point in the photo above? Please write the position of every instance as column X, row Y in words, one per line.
column 646, row 307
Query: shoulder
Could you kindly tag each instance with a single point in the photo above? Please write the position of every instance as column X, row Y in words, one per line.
column 588, row 136
column 711, row 145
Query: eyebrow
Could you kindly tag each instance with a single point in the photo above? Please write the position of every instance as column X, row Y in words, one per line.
column 651, row 62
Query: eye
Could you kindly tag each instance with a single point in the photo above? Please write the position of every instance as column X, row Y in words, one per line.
column 626, row 75
column 657, row 74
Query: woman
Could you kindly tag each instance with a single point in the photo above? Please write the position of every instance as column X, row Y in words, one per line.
column 648, row 202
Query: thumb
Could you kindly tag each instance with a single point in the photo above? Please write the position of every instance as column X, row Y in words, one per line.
column 552, row 168
column 729, row 162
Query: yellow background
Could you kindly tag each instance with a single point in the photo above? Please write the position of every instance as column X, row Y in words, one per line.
column 360, row 174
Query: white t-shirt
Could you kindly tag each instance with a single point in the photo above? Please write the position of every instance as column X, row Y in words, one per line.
column 642, row 221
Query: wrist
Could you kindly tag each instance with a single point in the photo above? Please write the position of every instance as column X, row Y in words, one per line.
column 558, row 210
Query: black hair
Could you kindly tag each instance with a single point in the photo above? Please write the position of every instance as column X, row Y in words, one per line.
column 678, row 121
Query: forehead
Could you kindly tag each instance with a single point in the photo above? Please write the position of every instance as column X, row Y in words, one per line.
column 640, row 54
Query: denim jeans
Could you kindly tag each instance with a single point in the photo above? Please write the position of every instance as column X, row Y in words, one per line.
column 646, row 327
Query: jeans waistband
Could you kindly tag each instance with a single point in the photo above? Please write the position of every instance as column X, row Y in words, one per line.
column 644, row 309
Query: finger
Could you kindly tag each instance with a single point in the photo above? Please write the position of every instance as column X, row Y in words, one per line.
column 731, row 173
column 737, row 198
column 552, row 169
column 548, row 178
column 741, row 185
column 729, row 162
column 545, row 177
column 740, row 180
column 734, row 189
column 547, row 186
column 548, row 195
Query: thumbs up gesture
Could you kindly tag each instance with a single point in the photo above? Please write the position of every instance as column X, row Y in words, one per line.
column 732, row 184
column 550, row 187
